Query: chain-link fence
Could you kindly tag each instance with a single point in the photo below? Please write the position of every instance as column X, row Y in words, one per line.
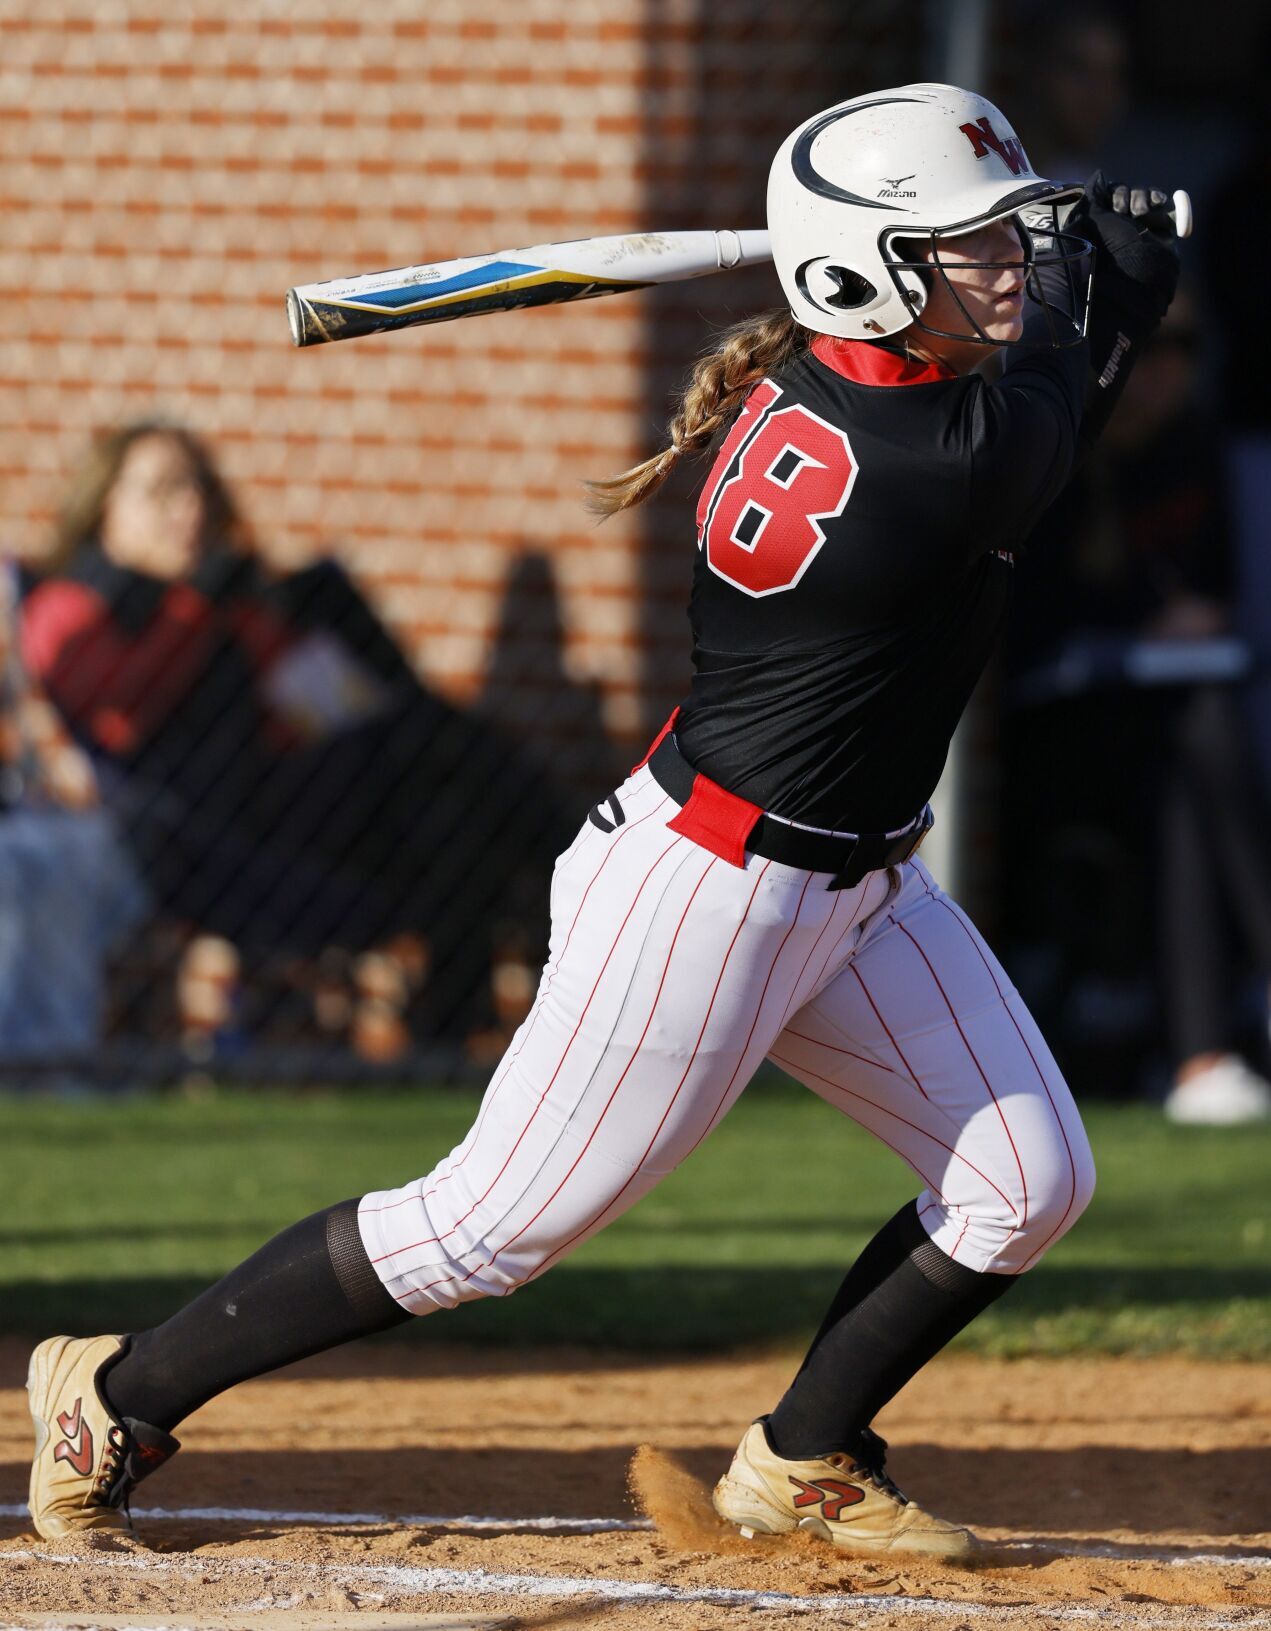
column 288, row 806
column 239, row 830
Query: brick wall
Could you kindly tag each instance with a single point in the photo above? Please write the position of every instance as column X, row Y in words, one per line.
column 167, row 172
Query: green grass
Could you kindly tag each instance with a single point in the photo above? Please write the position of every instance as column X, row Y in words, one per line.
column 117, row 1209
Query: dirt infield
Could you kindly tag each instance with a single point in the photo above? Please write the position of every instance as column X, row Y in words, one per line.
column 1118, row 1492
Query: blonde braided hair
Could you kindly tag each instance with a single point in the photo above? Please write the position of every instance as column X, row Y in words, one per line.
column 717, row 387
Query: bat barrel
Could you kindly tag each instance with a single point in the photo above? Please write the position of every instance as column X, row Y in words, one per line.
column 545, row 275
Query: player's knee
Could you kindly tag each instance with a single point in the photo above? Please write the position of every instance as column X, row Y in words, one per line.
column 1085, row 1175
column 1062, row 1183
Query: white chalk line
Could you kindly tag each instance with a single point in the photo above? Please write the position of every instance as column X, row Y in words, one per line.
column 549, row 1525
column 336, row 1520
column 1176, row 1556
column 1119, row 1552
column 411, row 1580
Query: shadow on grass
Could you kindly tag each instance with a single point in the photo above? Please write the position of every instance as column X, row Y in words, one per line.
column 666, row 1310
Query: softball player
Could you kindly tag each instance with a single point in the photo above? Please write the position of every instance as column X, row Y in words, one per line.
column 751, row 891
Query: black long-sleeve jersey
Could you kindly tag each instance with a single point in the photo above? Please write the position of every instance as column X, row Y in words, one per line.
column 855, row 544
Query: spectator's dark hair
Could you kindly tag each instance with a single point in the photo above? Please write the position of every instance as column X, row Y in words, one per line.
column 79, row 523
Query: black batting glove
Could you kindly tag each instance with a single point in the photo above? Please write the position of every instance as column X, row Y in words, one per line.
column 1145, row 204
column 1131, row 228
column 1135, row 276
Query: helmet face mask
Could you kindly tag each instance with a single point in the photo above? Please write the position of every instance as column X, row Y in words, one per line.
column 1057, row 270
column 862, row 197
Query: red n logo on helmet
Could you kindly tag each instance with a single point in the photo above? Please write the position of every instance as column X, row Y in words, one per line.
column 983, row 137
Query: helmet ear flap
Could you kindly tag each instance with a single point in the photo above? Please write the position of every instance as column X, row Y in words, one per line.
column 852, row 291
column 834, row 287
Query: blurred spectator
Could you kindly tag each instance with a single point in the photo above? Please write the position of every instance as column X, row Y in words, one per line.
column 69, row 894
column 1128, row 747
column 283, row 780
column 1079, row 97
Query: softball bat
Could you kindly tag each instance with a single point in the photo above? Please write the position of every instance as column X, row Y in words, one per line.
column 541, row 276
column 544, row 275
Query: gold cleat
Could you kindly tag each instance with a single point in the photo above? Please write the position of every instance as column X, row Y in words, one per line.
column 87, row 1461
column 848, row 1501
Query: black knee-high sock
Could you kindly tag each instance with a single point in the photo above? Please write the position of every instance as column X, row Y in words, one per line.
column 901, row 1301
column 310, row 1288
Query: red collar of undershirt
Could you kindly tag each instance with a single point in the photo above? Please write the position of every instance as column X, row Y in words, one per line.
column 867, row 363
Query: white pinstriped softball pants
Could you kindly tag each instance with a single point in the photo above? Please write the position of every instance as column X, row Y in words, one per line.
column 671, row 975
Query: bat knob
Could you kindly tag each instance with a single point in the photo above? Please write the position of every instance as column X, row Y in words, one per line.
column 1182, row 213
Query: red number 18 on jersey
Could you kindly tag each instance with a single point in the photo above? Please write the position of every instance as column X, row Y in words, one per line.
column 780, row 472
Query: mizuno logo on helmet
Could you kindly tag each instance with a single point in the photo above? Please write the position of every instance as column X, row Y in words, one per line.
column 983, row 138
column 893, row 189
column 801, row 157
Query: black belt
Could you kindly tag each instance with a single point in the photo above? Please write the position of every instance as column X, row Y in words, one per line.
column 849, row 859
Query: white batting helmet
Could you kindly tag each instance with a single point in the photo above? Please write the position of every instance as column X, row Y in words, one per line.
column 857, row 193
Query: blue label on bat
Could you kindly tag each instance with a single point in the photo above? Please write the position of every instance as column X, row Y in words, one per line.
column 493, row 272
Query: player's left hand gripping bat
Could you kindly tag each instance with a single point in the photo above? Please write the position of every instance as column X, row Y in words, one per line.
column 541, row 276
